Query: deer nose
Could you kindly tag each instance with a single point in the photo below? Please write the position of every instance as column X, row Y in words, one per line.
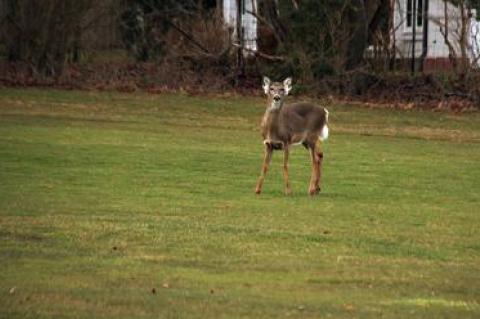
column 276, row 98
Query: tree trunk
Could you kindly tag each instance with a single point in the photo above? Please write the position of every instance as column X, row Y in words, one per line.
column 357, row 43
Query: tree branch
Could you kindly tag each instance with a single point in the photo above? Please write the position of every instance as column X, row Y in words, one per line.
column 265, row 21
column 188, row 36
column 261, row 54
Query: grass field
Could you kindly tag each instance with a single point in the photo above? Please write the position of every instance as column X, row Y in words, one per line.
column 142, row 206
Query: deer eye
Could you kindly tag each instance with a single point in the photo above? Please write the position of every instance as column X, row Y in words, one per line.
column 282, row 90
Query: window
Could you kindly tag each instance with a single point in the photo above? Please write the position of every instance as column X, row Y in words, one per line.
column 419, row 13
column 414, row 5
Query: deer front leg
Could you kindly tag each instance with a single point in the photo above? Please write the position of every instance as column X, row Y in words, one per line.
column 288, row 190
column 266, row 162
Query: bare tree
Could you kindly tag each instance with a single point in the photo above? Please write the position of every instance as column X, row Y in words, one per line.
column 455, row 29
column 46, row 34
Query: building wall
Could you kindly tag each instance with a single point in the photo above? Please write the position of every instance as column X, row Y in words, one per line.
column 475, row 37
column 249, row 21
column 436, row 44
column 403, row 35
column 437, row 48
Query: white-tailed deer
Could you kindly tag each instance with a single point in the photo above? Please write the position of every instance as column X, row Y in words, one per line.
column 284, row 125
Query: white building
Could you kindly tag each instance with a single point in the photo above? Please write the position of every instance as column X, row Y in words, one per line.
column 249, row 22
column 404, row 22
column 438, row 51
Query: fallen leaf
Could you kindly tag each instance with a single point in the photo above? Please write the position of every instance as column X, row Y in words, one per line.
column 349, row 307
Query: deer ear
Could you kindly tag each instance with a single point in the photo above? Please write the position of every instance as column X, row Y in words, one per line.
column 266, row 84
column 287, row 85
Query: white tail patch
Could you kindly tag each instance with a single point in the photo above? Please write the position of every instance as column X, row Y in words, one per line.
column 324, row 135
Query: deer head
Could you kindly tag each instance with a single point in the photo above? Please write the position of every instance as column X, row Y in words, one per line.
column 276, row 91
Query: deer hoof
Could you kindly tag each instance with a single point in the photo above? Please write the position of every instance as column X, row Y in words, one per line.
column 258, row 191
column 314, row 191
column 288, row 192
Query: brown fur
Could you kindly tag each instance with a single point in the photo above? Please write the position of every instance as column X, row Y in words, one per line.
column 284, row 125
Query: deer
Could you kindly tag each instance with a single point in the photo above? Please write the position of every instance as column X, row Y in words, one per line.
column 284, row 125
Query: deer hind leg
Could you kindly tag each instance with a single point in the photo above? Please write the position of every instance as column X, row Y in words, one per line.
column 266, row 162
column 314, row 180
column 288, row 190
column 319, row 155
column 317, row 160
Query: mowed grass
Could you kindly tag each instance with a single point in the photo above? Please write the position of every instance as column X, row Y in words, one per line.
column 142, row 206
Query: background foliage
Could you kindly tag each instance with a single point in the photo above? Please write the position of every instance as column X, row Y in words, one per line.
column 132, row 44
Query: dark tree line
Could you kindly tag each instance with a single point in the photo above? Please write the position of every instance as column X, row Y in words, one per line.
column 45, row 33
column 309, row 38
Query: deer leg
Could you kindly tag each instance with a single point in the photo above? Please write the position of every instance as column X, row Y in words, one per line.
column 319, row 155
column 288, row 190
column 317, row 150
column 312, row 190
column 266, row 162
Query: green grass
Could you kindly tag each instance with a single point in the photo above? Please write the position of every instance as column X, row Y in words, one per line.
column 142, row 206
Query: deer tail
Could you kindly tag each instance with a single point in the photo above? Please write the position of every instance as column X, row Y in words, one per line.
column 324, row 133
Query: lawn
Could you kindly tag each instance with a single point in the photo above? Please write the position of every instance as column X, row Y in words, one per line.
column 142, row 206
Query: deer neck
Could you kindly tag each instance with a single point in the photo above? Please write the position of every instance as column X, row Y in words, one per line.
column 272, row 115
column 272, row 124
